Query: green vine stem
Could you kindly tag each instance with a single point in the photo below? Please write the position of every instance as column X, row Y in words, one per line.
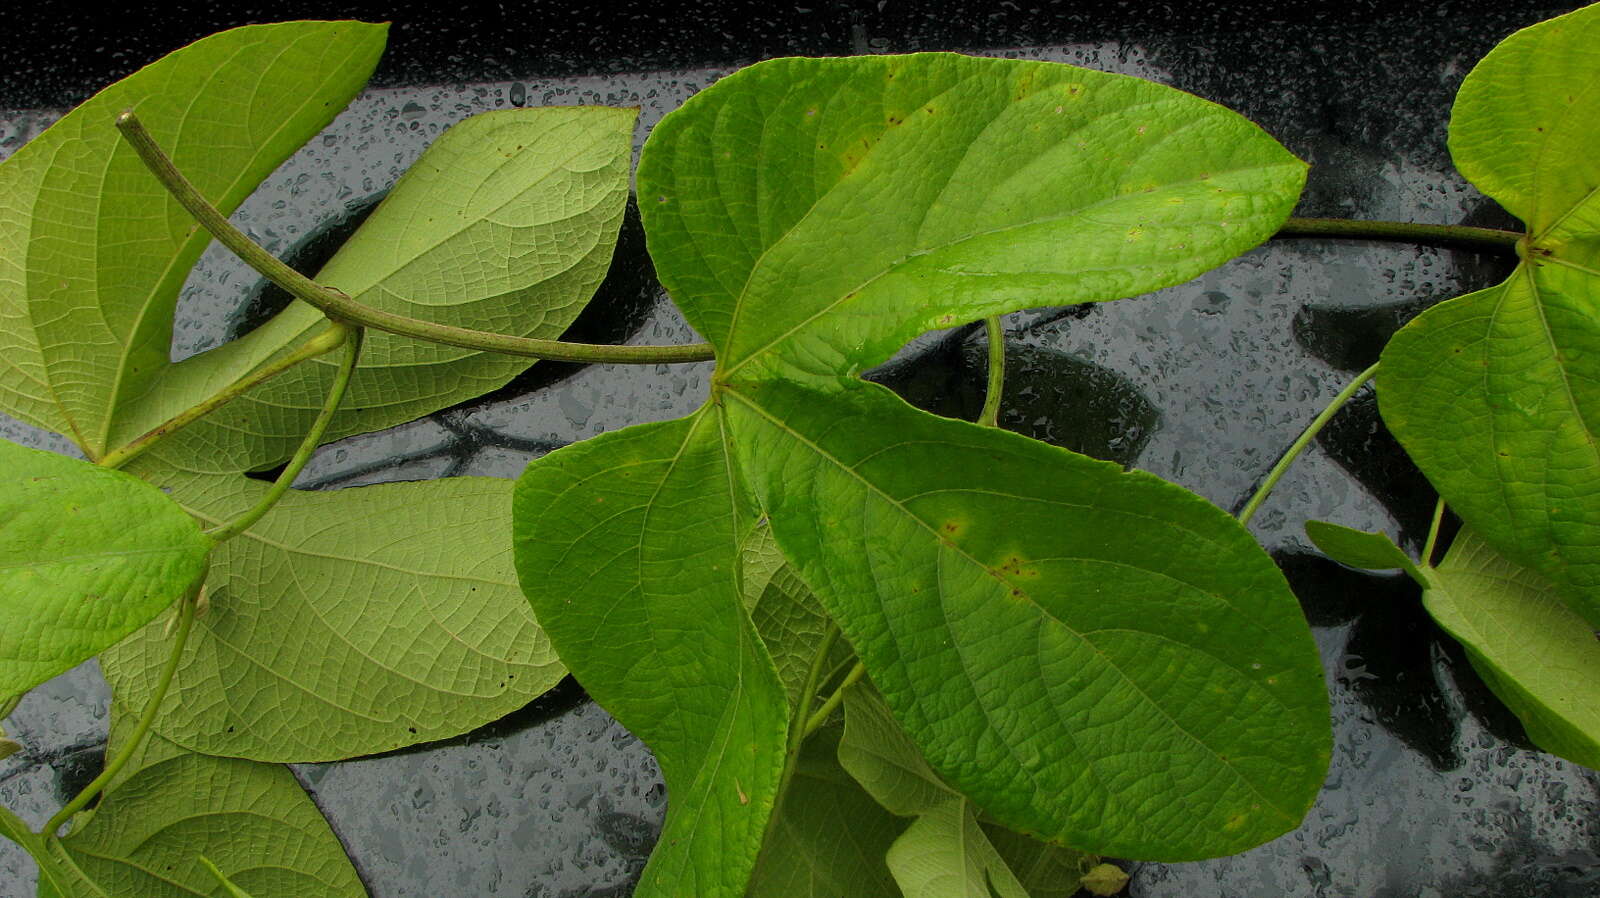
column 351, row 337
column 826, row 709
column 321, row 343
column 340, row 307
column 146, row 719
column 990, row 416
column 1432, row 541
column 1405, row 232
column 1306, row 436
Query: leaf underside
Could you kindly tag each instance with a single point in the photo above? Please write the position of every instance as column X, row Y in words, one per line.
column 1537, row 655
column 92, row 249
column 346, row 622
column 810, row 216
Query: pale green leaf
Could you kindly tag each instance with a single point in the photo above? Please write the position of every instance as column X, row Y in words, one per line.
column 1358, row 548
column 175, row 813
column 1105, row 880
column 829, row 838
column 946, row 854
column 1538, row 656
column 346, row 622
column 628, row 547
column 1096, row 656
column 90, row 555
column 93, row 250
column 1496, row 394
column 884, row 760
column 1045, row 871
column 507, row 223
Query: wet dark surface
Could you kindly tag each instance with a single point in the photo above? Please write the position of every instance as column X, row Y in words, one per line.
column 1434, row 790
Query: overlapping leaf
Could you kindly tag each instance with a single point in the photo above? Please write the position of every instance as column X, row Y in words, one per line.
column 87, row 556
column 628, row 546
column 346, row 622
column 809, row 216
column 507, row 223
column 1496, row 394
column 173, row 810
column 93, row 251
column 1537, row 655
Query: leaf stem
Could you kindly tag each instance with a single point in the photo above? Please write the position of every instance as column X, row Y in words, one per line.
column 351, row 337
column 146, row 719
column 340, row 307
column 1304, row 440
column 827, row 708
column 323, row 342
column 990, row 416
column 1493, row 239
column 1432, row 541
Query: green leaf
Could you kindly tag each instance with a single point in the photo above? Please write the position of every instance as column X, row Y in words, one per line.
column 786, row 615
column 346, row 622
column 1538, row 656
column 176, row 813
column 507, row 223
column 829, row 837
column 1009, row 597
column 946, row 854
column 1496, row 394
column 628, row 547
column 828, row 210
column 1359, row 548
column 809, row 216
column 93, row 251
column 90, row 555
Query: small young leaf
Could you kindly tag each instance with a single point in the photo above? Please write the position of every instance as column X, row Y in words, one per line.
column 93, row 250
column 346, row 622
column 1358, row 548
column 507, row 223
column 628, row 547
column 172, row 808
column 1538, row 656
column 1105, row 880
column 87, row 556
column 1496, row 394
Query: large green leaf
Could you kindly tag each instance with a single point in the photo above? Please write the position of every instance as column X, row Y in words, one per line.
column 809, row 216
column 346, row 622
column 1496, row 394
column 252, row 821
column 628, row 546
column 1538, row 656
column 93, row 250
column 89, row 555
column 507, row 223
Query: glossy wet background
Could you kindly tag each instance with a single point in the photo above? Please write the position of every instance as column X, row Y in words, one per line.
column 1433, row 791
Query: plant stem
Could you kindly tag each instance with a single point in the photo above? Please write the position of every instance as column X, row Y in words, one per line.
column 990, row 416
column 1404, row 232
column 341, row 379
column 323, row 342
column 826, row 708
column 79, row 801
column 1432, row 541
column 1306, row 436
column 340, row 307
